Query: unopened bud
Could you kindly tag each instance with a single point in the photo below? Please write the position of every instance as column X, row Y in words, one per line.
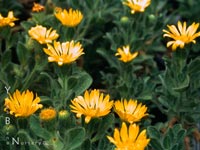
column 9, row 129
column 124, row 20
column 63, row 115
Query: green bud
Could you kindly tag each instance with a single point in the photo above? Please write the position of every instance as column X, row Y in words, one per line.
column 152, row 17
column 124, row 20
column 63, row 115
column 9, row 129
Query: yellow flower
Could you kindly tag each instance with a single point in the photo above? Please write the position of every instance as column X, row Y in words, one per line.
column 130, row 111
column 129, row 138
column 37, row 7
column 125, row 54
column 69, row 18
column 9, row 20
column 137, row 5
column 92, row 105
column 22, row 104
column 47, row 114
column 63, row 53
column 42, row 35
column 181, row 35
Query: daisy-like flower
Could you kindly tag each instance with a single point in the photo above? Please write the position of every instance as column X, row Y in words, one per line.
column 92, row 105
column 42, row 35
column 137, row 5
column 47, row 114
column 63, row 53
column 125, row 54
column 181, row 35
column 129, row 138
column 22, row 104
column 9, row 20
column 37, row 7
column 130, row 111
column 70, row 18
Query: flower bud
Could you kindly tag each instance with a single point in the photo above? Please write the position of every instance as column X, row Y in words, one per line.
column 124, row 20
column 63, row 115
column 152, row 17
column 47, row 114
column 9, row 129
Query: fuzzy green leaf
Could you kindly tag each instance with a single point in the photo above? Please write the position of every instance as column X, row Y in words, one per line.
column 74, row 138
column 153, row 132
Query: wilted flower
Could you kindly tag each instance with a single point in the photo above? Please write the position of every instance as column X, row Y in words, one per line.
column 92, row 105
column 69, row 18
column 37, row 7
column 137, row 5
column 47, row 114
column 9, row 20
column 42, row 35
column 125, row 54
column 181, row 35
column 63, row 53
column 22, row 104
column 130, row 111
column 129, row 138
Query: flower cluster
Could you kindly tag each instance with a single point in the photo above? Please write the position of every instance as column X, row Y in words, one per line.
column 129, row 138
column 65, row 52
column 95, row 105
column 70, row 104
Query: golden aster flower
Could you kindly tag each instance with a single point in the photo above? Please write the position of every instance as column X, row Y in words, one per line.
column 129, row 138
column 125, row 54
column 181, row 35
column 69, row 18
column 92, row 105
column 42, row 35
column 22, row 104
column 37, row 7
column 47, row 114
column 137, row 5
column 130, row 111
column 9, row 20
column 63, row 53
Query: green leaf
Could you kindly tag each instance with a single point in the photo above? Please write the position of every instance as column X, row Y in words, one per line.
column 177, row 128
column 22, row 53
column 24, row 137
column 153, row 132
column 110, row 60
column 37, row 129
column 182, row 84
column 194, row 66
column 86, row 145
column 74, row 138
column 181, row 135
column 72, row 82
column 6, row 58
column 84, row 82
column 167, row 142
column 105, row 123
column 155, row 144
